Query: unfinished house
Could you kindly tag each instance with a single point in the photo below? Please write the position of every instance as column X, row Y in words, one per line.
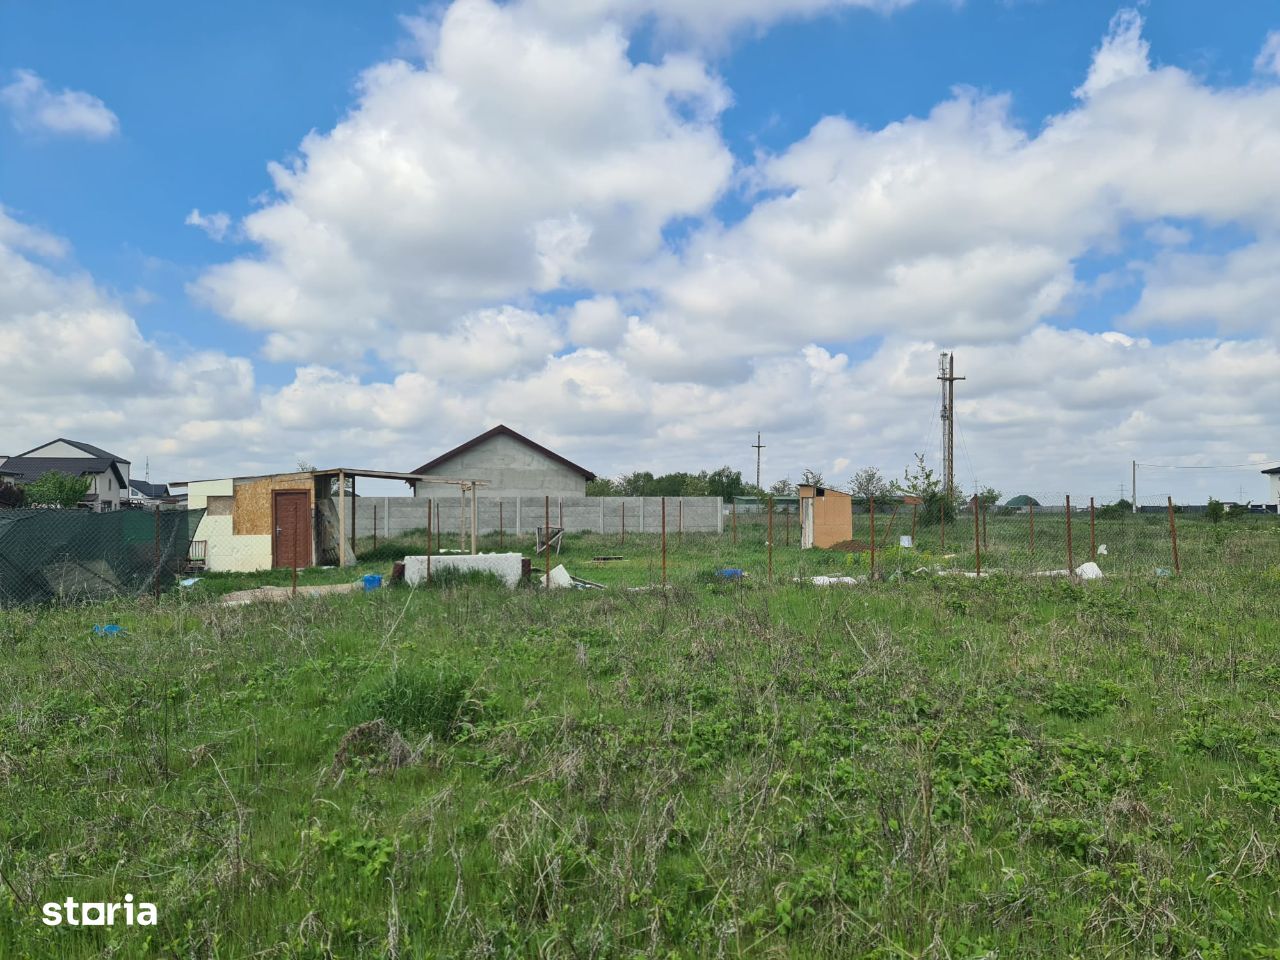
column 826, row 517
column 297, row 519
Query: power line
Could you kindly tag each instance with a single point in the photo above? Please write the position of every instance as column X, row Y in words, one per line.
column 1216, row 466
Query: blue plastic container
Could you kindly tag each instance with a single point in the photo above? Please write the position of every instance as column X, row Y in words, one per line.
column 372, row 581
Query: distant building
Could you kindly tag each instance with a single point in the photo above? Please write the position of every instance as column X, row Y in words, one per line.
column 108, row 473
column 511, row 464
column 1273, row 474
column 144, row 494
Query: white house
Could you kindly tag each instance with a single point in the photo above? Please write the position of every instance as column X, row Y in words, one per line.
column 511, row 465
column 108, row 473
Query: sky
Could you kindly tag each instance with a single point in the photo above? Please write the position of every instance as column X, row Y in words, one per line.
column 241, row 235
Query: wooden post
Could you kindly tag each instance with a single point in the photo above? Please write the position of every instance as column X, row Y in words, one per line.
column 871, row 511
column 770, row 535
column 1093, row 536
column 1173, row 538
column 664, row 541
column 500, row 532
column 977, row 540
column 1071, row 564
column 430, row 505
column 546, row 538
column 475, row 519
column 342, row 519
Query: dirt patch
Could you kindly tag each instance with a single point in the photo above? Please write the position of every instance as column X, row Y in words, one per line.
column 377, row 746
column 850, row 546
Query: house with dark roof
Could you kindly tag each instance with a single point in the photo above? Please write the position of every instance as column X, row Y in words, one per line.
column 144, row 494
column 511, row 465
column 108, row 473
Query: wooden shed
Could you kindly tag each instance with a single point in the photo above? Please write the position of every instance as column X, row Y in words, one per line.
column 826, row 517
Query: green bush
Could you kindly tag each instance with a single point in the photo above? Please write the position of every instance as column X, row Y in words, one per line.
column 437, row 698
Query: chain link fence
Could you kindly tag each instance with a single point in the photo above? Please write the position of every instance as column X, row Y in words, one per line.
column 1038, row 534
column 75, row 555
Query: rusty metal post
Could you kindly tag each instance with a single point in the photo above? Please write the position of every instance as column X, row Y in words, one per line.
column 664, row 541
column 155, row 515
column 977, row 540
column 770, row 538
column 546, row 540
column 871, row 510
column 1093, row 536
column 1173, row 538
column 1071, row 563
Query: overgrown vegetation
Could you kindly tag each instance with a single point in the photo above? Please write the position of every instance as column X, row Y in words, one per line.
column 933, row 767
column 55, row 489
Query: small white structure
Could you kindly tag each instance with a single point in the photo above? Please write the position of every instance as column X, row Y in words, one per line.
column 1273, row 474
column 505, row 566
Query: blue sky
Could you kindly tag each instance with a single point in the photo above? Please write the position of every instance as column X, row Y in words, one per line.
column 207, row 96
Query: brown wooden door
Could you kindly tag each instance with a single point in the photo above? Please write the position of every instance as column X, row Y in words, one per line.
column 291, row 517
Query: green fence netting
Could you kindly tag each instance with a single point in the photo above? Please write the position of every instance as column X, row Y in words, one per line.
column 77, row 555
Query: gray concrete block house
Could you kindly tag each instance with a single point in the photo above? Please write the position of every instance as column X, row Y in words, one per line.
column 511, row 464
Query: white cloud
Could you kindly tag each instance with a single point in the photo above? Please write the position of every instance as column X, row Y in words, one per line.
column 34, row 107
column 517, row 160
column 1268, row 61
column 1124, row 54
column 215, row 225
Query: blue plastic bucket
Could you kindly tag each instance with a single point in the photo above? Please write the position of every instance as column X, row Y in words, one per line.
column 372, row 581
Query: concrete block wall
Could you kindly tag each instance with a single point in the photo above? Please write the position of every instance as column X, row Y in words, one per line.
column 519, row 515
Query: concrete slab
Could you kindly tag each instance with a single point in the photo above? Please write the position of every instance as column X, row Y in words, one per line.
column 506, row 566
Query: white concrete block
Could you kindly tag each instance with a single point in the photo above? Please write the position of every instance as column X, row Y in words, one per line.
column 506, row 566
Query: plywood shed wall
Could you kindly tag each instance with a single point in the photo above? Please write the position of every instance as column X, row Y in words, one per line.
column 251, row 514
column 832, row 515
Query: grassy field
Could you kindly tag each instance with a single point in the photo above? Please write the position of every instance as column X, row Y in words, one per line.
column 925, row 767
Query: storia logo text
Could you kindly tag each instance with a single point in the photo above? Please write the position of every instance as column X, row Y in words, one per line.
column 94, row 914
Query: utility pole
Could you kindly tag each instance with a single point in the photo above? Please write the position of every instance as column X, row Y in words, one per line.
column 758, row 446
column 947, row 374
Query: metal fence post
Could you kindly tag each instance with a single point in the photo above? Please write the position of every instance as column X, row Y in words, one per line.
column 977, row 540
column 770, row 536
column 1071, row 565
column 1093, row 535
column 871, row 511
column 1173, row 538
column 664, row 541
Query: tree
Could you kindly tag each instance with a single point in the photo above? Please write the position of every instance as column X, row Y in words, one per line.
column 811, row 478
column 56, row 489
column 12, row 496
column 783, row 488
column 870, row 482
column 725, row 483
column 602, row 487
column 306, row 466
column 988, row 498
column 923, row 483
column 1216, row 511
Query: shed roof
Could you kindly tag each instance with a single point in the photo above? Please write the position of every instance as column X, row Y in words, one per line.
column 503, row 430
